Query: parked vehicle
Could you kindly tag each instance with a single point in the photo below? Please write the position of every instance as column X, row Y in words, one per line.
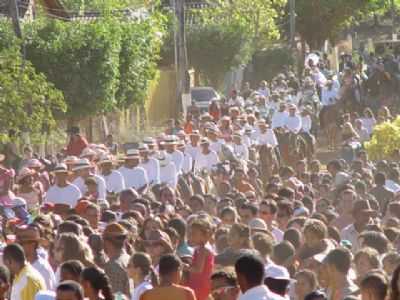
column 203, row 96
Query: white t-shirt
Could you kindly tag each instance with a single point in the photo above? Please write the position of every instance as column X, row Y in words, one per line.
column 134, row 177
column 152, row 167
column 114, row 181
column 293, row 123
column 206, row 161
column 101, row 185
column 328, row 97
column 68, row 195
column 43, row 267
column 306, row 123
column 169, row 175
column 216, row 146
column 177, row 159
column 279, row 119
column 187, row 163
column 241, row 151
column 140, row 289
column 266, row 138
column 192, row 150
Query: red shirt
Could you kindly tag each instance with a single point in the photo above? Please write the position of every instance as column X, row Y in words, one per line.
column 75, row 147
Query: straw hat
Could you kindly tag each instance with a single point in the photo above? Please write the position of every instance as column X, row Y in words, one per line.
column 132, row 154
column 61, row 168
column 105, row 159
column 88, row 152
column 81, row 164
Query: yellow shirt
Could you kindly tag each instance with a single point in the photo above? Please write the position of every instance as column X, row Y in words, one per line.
column 26, row 284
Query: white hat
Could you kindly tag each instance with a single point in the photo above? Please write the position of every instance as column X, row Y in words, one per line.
column 88, row 152
column 276, row 272
column 301, row 211
column 257, row 224
column 132, row 153
column 149, row 140
column 143, row 147
column 105, row 159
column 34, row 163
column 70, row 160
column 60, row 168
column 170, row 140
column 81, row 164
column 204, row 141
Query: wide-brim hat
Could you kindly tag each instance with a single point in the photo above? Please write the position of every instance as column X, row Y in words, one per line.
column 70, row 160
column 149, row 141
column 170, row 140
column 26, row 233
column 104, row 159
column 88, row 152
column 81, row 164
column 34, row 163
column 142, row 147
column 60, row 168
column 132, row 154
column 204, row 141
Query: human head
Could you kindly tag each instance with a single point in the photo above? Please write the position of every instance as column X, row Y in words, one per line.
column 374, row 286
column 239, row 236
column 229, row 216
column 4, row 281
column 71, row 270
column 365, row 260
column 28, row 236
column 337, row 264
column 14, row 258
column 69, row 290
column 268, row 211
column 283, row 254
column 70, row 247
column 114, row 236
column 306, row 282
column 95, row 280
column 249, row 271
column 167, row 195
column 170, row 268
column 380, row 179
column 263, row 243
column 201, row 230
column 314, row 232
column 247, row 212
column 285, row 212
column 221, row 283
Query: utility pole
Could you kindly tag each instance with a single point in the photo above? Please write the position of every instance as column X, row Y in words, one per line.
column 292, row 8
column 181, row 62
column 393, row 15
column 14, row 14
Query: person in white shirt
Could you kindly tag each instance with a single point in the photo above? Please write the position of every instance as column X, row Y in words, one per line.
column 329, row 94
column 236, row 100
column 141, row 271
column 293, row 121
column 306, row 125
column 134, row 176
column 215, row 142
column 28, row 237
column 193, row 147
column 263, row 89
column 168, row 172
column 246, row 138
column 279, row 117
column 187, row 165
column 250, row 274
column 368, row 120
column 82, row 169
column 170, row 143
column 151, row 144
column 265, row 136
column 361, row 131
column 150, row 164
column 239, row 149
column 114, row 181
column 63, row 192
column 207, row 158
column 392, row 182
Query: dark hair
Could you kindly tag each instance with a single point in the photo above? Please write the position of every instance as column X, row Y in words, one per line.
column 74, row 267
column 271, row 204
column 293, row 236
column 15, row 253
column 99, row 281
column 180, row 226
column 229, row 277
column 71, row 286
column 395, row 293
column 70, row 226
column 4, row 274
column 277, row 286
column 377, row 283
column 376, row 240
column 286, row 206
column 282, row 252
column 251, row 268
column 310, row 277
column 286, row 193
column 142, row 261
column 316, row 295
column 169, row 263
column 263, row 243
column 336, row 164
column 198, row 198
column 340, row 258
column 249, row 206
column 108, row 216
column 380, row 178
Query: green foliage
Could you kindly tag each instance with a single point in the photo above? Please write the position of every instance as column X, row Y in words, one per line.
column 81, row 59
column 28, row 102
column 214, row 49
column 267, row 63
column 320, row 20
column 385, row 140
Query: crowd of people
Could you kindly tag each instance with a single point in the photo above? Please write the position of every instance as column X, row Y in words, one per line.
column 187, row 215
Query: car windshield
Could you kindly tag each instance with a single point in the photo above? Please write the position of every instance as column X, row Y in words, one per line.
column 203, row 94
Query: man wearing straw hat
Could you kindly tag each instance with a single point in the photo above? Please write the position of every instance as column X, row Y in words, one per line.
column 207, row 158
column 134, row 176
column 150, row 164
column 114, row 180
column 63, row 192
column 177, row 157
column 82, row 169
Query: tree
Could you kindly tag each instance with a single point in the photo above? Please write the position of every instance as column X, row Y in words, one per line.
column 28, row 102
column 320, row 20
